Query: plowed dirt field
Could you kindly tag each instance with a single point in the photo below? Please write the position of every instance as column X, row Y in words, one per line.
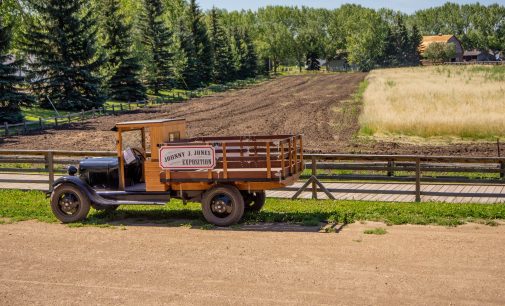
column 320, row 106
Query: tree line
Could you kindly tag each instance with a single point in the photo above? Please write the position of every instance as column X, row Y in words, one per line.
column 78, row 53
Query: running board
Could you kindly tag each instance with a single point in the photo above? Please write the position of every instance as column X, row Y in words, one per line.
column 122, row 198
column 137, row 203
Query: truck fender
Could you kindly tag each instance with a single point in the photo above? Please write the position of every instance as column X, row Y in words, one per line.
column 90, row 193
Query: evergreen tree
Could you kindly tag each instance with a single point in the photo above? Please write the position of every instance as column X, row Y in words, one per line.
column 415, row 40
column 186, row 67
column 223, row 68
column 238, row 51
column 11, row 98
column 397, row 47
column 62, row 42
column 122, row 68
column 198, row 49
column 312, row 61
column 157, row 40
column 244, row 53
column 249, row 66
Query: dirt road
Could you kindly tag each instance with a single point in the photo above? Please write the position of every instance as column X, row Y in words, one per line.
column 53, row 264
column 320, row 106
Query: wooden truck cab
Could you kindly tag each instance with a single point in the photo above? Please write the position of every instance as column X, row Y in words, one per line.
column 158, row 131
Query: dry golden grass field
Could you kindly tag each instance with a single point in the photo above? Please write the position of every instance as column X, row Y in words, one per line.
column 453, row 101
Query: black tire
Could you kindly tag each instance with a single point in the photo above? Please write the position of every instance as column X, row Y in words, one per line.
column 223, row 205
column 106, row 208
column 255, row 200
column 69, row 203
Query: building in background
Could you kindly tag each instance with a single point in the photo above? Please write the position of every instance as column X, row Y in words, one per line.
column 480, row 56
column 428, row 40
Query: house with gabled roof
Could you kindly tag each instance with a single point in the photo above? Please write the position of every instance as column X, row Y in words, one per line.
column 428, row 40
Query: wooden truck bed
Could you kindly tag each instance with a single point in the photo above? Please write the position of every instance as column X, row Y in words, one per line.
column 249, row 162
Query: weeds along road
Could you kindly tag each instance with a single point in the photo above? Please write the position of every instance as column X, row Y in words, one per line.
column 54, row 264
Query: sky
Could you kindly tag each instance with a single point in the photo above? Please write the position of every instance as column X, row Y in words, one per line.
column 401, row 5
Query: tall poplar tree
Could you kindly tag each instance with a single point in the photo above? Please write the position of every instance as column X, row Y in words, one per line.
column 157, row 40
column 61, row 41
column 11, row 98
column 122, row 67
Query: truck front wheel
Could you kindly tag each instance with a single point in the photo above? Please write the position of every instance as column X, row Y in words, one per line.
column 223, row 205
column 69, row 203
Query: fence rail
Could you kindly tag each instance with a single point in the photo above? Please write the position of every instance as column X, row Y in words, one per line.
column 320, row 169
column 402, row 168
column 493, row 63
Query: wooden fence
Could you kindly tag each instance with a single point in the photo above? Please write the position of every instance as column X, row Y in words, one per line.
column 492, row 63
column 320, row 168
column 402, row 168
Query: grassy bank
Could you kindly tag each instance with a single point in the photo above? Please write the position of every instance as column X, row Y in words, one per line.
column 35, row 112
column 19, row 205
column 456, row 101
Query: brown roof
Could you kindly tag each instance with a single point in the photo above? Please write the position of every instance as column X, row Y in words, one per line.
column 144, row 123
column 427, row 40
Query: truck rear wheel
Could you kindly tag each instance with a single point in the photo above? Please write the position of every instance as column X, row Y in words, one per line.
column 69, row 203
column 223, row 205
column 254, row 201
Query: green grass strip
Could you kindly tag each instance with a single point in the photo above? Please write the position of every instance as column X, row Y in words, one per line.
column 18, row 205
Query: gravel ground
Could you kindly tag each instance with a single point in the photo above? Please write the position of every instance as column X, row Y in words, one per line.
column 53, row 264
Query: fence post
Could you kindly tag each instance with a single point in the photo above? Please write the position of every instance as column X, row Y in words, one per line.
column 68, row 117
column 56, row 121
column 418, row 180
column 502, row 168
column 391, row 164
column 113, row 110
column 121, row 107
column 6, row 128
column 314, row 174
column 50, row 166
column 82, row 115
column 94, row 111
column 24, row 126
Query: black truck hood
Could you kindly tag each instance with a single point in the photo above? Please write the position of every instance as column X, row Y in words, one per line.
column 98, row 163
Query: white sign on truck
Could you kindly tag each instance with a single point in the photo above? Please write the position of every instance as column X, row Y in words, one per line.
column 187, row 157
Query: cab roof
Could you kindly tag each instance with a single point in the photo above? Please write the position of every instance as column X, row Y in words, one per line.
column 145, row 123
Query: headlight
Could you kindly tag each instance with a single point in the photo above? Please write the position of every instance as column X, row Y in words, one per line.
column 72, row 170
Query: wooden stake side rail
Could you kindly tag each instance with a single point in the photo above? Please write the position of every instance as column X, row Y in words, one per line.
column 246, row 158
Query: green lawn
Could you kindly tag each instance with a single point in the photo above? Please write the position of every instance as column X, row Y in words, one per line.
column 36, row 112
column 32, row 205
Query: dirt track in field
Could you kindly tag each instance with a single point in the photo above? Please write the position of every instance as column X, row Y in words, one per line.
column 319, row 106
column 53, row 264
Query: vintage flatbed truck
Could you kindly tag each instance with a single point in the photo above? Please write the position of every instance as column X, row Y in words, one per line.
column 227, row 175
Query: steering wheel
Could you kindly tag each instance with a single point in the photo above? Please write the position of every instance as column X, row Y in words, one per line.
column 139, row 156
